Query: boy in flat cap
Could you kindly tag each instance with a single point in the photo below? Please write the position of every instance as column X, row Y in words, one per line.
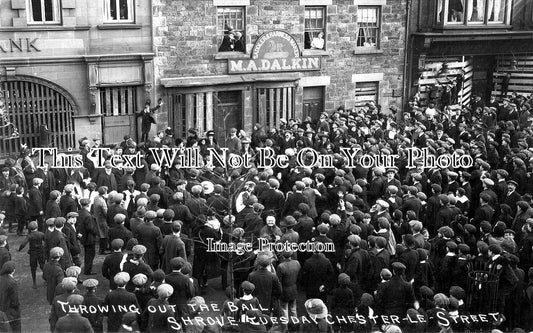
column 36, row 251
column 136, row 265
column 53, row 273
column 90, row 299
column 119, row 299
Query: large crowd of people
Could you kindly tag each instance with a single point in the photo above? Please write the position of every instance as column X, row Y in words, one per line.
column 415, row 249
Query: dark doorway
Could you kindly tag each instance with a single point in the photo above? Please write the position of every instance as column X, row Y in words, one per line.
column 227, row 114
column 313, row 102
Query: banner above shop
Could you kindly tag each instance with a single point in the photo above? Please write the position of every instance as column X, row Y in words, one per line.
column 274, row 51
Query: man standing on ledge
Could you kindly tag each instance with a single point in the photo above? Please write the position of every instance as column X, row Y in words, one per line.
column 147, row 118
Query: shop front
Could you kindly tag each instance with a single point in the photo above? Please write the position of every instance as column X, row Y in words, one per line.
column 263, row 88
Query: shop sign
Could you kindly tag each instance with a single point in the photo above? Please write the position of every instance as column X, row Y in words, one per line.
column 19, row 45
column 274, row 51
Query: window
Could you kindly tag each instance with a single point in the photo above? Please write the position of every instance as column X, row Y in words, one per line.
column 274, row 104
column 368, row 23
column 473, row 12
column 315, row 28
column 118, row 101
column 44, row 12
column 366, row 92
column 231, row 29
column 118, row 11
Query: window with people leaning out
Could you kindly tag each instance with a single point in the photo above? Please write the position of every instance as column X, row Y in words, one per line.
column 315, row 27
column 118, row 11
column 230, row 29
column 473, row 12
column 44, row 12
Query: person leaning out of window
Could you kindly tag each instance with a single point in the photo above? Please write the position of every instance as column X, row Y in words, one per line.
column 318, row 42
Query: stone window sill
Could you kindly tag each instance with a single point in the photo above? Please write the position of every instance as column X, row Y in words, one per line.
column 364, row 50
column 116, row 26
column 47, row 28
column 308, row 53
column 231, row 55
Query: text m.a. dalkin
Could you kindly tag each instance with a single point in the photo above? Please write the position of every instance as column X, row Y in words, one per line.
column 264, row 244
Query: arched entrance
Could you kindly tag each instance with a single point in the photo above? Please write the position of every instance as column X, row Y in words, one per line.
column 30, row 102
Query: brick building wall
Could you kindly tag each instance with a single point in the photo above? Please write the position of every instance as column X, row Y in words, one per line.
column 186, row 44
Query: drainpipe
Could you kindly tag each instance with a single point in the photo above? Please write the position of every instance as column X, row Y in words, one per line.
column 406, row 55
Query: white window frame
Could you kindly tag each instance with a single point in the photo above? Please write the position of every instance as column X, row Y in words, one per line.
column 379, row 15
column 56, row 13
column 107, row 12
column 443, row 6
column 375, row 78
column 324, row 10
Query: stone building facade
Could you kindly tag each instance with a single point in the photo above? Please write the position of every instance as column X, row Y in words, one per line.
column 82, row 67
column 277, row 71
column 472, row 45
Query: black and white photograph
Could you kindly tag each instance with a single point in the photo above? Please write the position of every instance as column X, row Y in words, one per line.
column 266, row 166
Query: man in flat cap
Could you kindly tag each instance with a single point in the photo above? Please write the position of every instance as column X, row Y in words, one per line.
column 233, row 143
column 267, row 285
column 150, row 236
column 68, row 285
column 73, row 236
column 172, row 246
column 87, row 228
column 358, row 263
column 91, row 299
column 99, row 210
column 317, row 275
column 119, row 230
column 181, row 285
column 9, row 295
column 484, row 212
column 396, row 295
column 115, row 207
column 53, row 273
column 68, row 203
column 272, row 198
column 158, row 321
column 112, row 262
column 35, row 203
column 73, row 320
column 136, row 265
column 5, row 255
column 59, row 239
column 119, row 299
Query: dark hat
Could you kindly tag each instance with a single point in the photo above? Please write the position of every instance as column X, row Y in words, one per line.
column 446, row 231
column 495, row 248
column 323, row 228
column 457, row 292
column 464, row 248
column 510, row 181
column 426, row 292
column 436, row 187
column 398, row 266
column 522, row 204
column 452, row 246
column 248, row 286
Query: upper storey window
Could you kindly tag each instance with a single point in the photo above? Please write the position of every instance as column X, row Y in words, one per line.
column 44, row 12
column 474, row 12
